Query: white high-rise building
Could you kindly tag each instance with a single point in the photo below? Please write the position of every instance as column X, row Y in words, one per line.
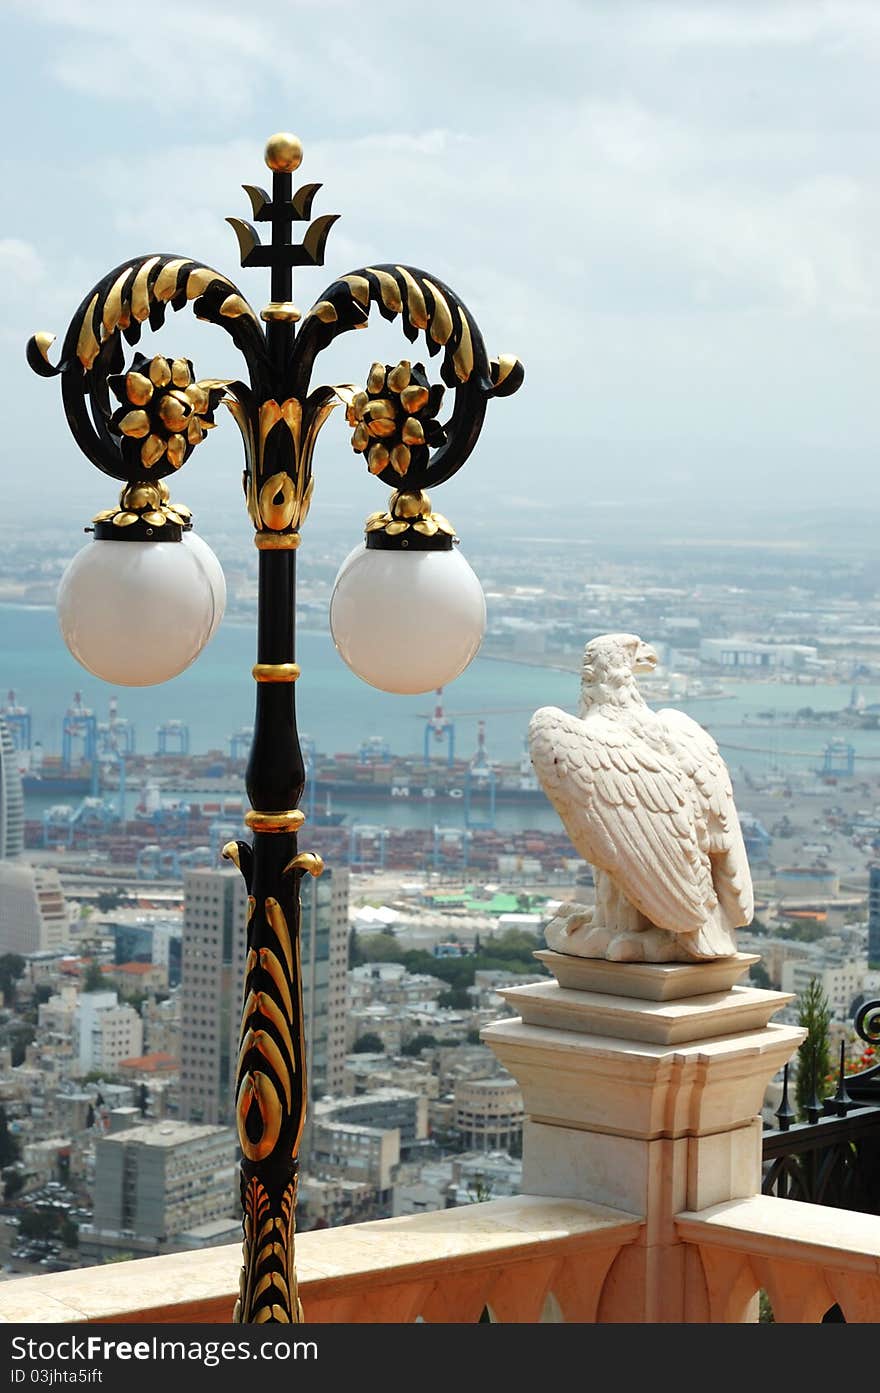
column 212, row 981
column 11, row 798
column 34, row 915
column 107, row 1032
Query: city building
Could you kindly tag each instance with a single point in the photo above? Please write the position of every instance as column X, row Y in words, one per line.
column 155, row 1181
column 212, row 978
column 383, row 1108
column 107, row 1032
column 842, row 982
column 135, row 977
column 213, row 955
column 489, row 1113
column 749, row 655
column 34, row 914
column 56, row 1018
column 874, row 915
column 162, row 1025
column 807, row 880
column 350, row 1151
column 11, row 798
column 149, row 940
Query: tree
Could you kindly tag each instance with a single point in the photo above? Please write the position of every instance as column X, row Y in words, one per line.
column 355, row 952
column 13, row 1183
column 19, row 1035
column 379, row 948
column 419, row 1042
column 368, row 1044
column 94, row 978
column 456, row 997
column 480, row 1189
column 10, row 1147
column 760, row 976
column 814, row 1055
column 38, row 1223
column 110, row 899
column 12, row 967
column 68, row 1232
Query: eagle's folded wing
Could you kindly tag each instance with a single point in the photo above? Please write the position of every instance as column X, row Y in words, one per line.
column 702, row 762
column 628, row 811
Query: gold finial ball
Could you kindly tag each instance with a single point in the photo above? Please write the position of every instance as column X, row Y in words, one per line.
column 284, row 152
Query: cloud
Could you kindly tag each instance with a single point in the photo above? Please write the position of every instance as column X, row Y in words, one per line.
column 670, row 211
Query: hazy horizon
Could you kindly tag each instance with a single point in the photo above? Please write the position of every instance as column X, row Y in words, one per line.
column 669, row 211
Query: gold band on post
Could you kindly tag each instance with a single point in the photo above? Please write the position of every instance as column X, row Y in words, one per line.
column 280, row 312
column 275, row 822
column 275, row 672
column 276, row 541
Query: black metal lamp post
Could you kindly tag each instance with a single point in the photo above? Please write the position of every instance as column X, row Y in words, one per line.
column 160, row 413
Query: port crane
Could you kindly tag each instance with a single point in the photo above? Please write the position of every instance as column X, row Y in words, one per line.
column 367, row 847
column 172, row 738
column 116, row 734
column 81, row 724
column 18, row 719
column 160, row 863
column 240, row 742
column 61, row 821
column 440, row 723
column 479, row 786
column 450, row 848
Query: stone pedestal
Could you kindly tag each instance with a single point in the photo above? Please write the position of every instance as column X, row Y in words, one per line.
column 643, row 1085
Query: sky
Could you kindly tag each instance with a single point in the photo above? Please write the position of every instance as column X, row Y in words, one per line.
column 669, row 211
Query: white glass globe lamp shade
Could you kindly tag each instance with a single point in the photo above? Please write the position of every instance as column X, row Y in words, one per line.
column 407, row 621
column 214, row 572
column 136, row 613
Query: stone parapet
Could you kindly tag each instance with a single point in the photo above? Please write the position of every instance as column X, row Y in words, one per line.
column 643, row 1085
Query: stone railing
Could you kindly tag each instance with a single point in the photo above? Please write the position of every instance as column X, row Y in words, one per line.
column 807, row 1258
column 524, row 1259
column 641, row 1201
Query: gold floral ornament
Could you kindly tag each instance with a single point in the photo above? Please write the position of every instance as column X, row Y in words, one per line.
column 409, row 510
column 395, row 418
column 150, row 503
column 164, row 411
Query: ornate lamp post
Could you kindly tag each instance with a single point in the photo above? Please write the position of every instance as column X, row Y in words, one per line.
column 141, row 599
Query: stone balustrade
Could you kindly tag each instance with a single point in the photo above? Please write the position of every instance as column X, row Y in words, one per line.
column 807, row 1258
column 522, row 1259
column 641, row 1186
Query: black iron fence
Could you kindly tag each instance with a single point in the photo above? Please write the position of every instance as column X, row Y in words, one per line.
column 833, row 1157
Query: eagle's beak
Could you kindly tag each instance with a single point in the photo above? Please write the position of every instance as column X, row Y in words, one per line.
column 646, row 659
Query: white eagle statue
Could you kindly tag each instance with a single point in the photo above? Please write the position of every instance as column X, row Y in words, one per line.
column 647, row 800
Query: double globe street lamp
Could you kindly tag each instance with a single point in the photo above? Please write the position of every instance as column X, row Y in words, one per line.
column 139, row 602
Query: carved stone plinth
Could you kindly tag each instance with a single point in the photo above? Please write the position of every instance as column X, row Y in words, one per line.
column 643, row 1085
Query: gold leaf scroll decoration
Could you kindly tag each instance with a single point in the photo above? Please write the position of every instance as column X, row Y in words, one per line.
column 265, row 1045
column 388, row 289
column 116, row 310
column 463, row 357
column 278, row 502
column 257, row 1088
column 270, row 964
column 415, row 300
column 87, row 345
column 278, row 924
column 140, row 294
column 441, row 326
